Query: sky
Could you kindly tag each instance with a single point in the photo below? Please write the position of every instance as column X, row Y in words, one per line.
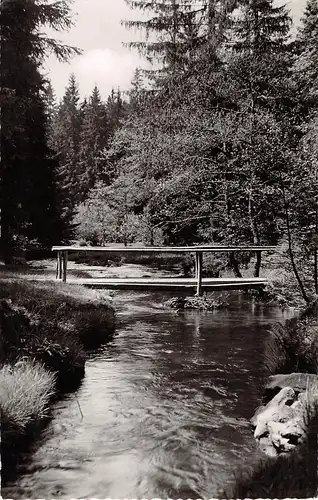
column 105, row 61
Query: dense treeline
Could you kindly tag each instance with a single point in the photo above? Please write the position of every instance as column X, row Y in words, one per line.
column 217, row 143
column 80, row 133
column 223, row 145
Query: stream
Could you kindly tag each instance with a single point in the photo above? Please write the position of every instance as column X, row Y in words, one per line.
column 163, row 410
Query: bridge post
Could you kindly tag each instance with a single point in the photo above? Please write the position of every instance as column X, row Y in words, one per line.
column 65, row 256
column 59, row 266
column 198, row 272
column 258, row 263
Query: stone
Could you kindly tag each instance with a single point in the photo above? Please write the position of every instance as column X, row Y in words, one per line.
column 286, row 435
column 280, row 426
column 278, row 409
column 266, row 446
column 259, row 410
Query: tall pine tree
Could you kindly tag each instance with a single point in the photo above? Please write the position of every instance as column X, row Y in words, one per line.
column 306, row 64
column 26, row 157
column 66, row 143
column 94, row 137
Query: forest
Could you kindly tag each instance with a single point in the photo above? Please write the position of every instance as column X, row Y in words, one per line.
column 217, row 143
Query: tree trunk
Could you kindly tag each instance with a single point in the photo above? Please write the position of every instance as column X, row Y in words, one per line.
column 258, row 264
column 290, row 246
column 7, row 248
column 234, row 265
column 316, row 242
column 255, row 234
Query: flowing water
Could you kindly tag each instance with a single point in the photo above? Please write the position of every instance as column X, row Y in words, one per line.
column 163, row 410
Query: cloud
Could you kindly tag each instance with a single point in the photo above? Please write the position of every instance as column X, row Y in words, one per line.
column 105, row 61
column 102, row 67
column 106, row 69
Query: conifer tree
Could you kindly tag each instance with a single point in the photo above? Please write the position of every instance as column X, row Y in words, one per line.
column 95, row 132
column 115, row 110
column 306, row 63
column 261, row 33
column 137, row 92
column 50, row 105
column 25, row 156
column 174, row 25
column 66, row 141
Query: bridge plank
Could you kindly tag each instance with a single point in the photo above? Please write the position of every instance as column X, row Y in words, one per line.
column 170, row 283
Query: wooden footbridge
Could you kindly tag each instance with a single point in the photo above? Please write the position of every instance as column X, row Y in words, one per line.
column 198, row 283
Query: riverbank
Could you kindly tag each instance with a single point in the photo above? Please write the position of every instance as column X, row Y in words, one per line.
column 46, row 329
column 286, row 424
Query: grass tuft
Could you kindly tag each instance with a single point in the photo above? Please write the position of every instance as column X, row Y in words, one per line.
column 25, row 391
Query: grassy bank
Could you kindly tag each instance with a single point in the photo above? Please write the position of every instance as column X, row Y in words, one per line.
column 45, row 330
column 290, row 348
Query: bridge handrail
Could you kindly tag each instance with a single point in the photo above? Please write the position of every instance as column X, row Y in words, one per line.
column 199, row 248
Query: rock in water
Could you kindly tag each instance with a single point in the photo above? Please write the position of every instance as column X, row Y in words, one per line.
column 279, row 426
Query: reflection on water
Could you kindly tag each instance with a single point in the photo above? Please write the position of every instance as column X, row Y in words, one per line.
column 165, row 407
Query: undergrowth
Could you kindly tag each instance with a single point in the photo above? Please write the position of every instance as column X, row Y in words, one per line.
column 293, row 347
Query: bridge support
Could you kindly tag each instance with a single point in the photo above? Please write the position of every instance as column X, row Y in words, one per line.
column 65, row 258
column 61, row 269
column 198, row 272
column 59, row 266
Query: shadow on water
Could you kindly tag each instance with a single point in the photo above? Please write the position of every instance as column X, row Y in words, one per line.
column 165, row 406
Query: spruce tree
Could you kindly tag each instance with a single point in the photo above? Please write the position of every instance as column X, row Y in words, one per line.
column 25, row 156
column 306, row 63
column 175, row 26
column 66, row 141
column 261, row 62
column 137, row 92
column 95, row 132
column 116, row 108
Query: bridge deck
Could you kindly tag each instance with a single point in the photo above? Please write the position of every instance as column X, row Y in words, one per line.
column 170, row 283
